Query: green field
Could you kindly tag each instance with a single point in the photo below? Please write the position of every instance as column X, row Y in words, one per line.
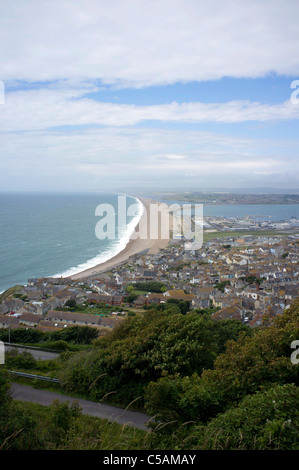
column 207, row 236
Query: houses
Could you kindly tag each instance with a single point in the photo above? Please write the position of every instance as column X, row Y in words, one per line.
column 9, row 321
column 154, row 298
column 106, row 299
column 232, row 312
column 148, row 275
column 70, row 318
column 178, row 294
column 60, row 319
column 244, row 278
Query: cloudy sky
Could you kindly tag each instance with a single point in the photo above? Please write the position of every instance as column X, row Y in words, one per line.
column 144, row 94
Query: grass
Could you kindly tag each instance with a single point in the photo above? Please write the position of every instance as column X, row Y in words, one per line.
column 86, row 433
column 9, row 292
column 257, row 233
column 39, row 384
column 139, row 292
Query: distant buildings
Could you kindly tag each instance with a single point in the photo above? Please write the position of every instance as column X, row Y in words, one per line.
column 245, row 278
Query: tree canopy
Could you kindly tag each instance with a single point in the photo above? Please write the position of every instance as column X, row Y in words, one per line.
column 145, row 348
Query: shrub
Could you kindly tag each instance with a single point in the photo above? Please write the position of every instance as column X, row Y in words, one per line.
column 251, row 362
column 263, row 421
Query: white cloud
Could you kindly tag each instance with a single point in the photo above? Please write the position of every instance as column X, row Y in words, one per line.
column 68, row 47
column 51, row 107
column 146, row 42
column 175, row 157
column 110, row 158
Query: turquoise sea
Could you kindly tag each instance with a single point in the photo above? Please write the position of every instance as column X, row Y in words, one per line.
column 43, row 235
column 259, row 212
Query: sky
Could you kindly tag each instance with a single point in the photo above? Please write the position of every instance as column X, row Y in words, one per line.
column 142, row 95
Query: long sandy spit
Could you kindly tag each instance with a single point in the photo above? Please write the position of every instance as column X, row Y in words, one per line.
column 135, row 245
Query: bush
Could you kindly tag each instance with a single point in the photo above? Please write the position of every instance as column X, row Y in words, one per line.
column 17, row 428
column 264, row 421
column 22, row 335
column 144, row 348
column 59, row 345
column 150, row 286
column 62, row 417
column 247, row 365
column 75, row 335
column 15, row 359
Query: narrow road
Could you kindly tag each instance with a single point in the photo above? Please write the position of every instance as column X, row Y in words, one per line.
column 37, row 353
column 99, row 410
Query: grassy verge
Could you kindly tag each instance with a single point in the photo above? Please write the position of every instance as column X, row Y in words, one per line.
column 260, row 233
column 9, row 292
column 84, row 433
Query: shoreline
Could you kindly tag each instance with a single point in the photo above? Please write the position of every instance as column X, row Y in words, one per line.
column 133, row 247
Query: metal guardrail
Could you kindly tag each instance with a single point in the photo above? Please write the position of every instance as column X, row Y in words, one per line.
column 32, row 376
column 34, row 348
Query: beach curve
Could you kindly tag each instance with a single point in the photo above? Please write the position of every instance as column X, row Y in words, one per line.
column 135, row 244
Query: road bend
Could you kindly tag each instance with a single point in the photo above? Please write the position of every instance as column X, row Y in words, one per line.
column 99, row 410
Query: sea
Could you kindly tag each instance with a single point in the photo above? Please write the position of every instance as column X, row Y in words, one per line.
column 257, row 212
column 54, row 235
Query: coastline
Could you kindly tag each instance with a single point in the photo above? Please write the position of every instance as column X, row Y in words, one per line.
column 134, row 246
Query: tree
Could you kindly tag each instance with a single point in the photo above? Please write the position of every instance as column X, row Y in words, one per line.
column 17, row 427
column 143, row 349
column 251, row 362
column 131, row 298
column 151, row 286
column 76, row 334
column 71, row 303
column 62, row 417
column 266, row 420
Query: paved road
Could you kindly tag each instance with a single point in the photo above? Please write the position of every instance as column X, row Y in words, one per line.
column 43, row 397
column 43, row 355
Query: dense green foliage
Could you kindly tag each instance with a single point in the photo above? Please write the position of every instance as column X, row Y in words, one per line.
column 145, row 348
column 21, row 335
column 209, row 384
column 221, row 285
column 71, row 335
column 16, row 427
column 61, row 426
column 183, row 305
column 265, row 420
column 24, row 361
column 150, row 286
column 250, row 364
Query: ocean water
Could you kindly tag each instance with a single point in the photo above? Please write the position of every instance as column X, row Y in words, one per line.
column 258, row 212
column 45, row 235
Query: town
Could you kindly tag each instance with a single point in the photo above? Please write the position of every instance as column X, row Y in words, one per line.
column 244, row 277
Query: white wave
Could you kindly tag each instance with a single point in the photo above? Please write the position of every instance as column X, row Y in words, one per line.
column 108, row 253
